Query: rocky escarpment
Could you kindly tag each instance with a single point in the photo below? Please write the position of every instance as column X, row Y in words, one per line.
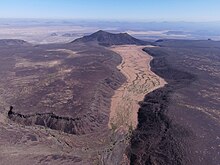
column 69, row 125
column 97, row 112
column 82, row 124
column 157, row 139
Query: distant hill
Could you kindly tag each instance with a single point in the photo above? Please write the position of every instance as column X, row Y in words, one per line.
column 13, row 42
column 53, row 34
column 178, row 43
column 68, row 35
column 107, row 39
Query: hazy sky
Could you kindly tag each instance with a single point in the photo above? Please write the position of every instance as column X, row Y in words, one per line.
column 146, row 10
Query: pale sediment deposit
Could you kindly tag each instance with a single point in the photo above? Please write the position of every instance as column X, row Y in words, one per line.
column 140, row 81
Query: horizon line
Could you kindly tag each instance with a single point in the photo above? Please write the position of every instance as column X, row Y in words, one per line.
column 113, row 20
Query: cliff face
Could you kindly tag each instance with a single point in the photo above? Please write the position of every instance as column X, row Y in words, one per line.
column 49, row 120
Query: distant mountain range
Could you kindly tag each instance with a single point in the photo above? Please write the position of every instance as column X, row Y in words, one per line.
column 107, row 39
column 100, row 37
column 13, row 42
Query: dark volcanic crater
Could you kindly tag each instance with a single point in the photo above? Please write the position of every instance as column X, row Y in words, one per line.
column 107, row 39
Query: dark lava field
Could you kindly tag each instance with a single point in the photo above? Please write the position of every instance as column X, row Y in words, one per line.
column 180, row 123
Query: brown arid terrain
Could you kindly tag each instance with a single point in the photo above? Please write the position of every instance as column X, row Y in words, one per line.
column 66, row 88
column 109, row 99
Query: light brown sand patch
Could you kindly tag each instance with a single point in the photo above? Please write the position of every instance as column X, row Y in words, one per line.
column 71, row 54
column 24, row 63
